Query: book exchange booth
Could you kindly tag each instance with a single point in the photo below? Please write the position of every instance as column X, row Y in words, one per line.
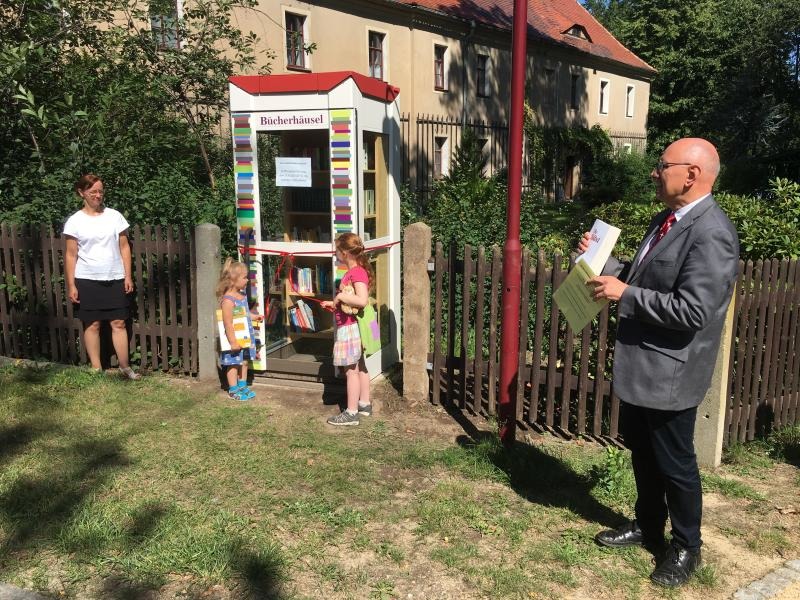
column 315, row 155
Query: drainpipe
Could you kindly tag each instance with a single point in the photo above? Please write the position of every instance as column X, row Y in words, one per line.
column 464, row 62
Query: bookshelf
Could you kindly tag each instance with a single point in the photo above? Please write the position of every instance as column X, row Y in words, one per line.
column 293, row 314
column 307, row 211
column 374, row 182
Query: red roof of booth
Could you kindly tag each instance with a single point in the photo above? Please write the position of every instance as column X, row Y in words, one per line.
column 296, row 83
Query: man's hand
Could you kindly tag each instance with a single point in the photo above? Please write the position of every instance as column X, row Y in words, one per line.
column 583, row 243
column 607, row 287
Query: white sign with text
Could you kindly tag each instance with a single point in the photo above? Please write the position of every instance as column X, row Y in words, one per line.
column 291, row 119
column 291, row 171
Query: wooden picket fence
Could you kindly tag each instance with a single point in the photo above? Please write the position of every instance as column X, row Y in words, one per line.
column 765, row 369
column 37, row 321
column 564, row 376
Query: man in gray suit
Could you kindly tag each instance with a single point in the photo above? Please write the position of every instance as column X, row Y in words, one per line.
column 673, row 297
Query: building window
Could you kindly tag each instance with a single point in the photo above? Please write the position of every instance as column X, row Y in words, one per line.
column 630, row 95
column 605, row 88
column 481, row 79
column 627, row 148
column 376, row 54
column 578, row 31
column 573, row 91
column 550, row 88
column 439, row 80
column 164, row 24
column 295, row 41
column 441, row 157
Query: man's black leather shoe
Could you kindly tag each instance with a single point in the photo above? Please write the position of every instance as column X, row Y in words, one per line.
column 677, row 566
column 623, row 536
column 629, row 534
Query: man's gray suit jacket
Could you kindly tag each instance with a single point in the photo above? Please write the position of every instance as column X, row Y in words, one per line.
column 671, row 316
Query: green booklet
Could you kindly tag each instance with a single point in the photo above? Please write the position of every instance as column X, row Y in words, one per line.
column 574, row 297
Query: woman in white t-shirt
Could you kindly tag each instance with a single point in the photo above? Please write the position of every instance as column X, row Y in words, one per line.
column 97, row 265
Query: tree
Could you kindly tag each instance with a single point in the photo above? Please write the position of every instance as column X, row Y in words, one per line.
column 82, row 89
column 727, row 70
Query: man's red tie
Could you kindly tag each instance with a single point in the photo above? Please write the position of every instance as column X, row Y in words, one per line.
column 662, row 231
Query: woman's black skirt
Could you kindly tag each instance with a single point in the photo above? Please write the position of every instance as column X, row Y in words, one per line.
column 101, row 300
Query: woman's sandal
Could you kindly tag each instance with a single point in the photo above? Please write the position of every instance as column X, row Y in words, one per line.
column 129, row 373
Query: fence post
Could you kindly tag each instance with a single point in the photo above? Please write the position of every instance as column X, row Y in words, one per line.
column 710, row 423
column 207, row 252
column 416, row 311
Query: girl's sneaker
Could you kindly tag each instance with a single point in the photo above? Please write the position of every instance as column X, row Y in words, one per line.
column 129, row 373
column 240, row 393
column 245, row 393
column 344, row 418
column 365, row 410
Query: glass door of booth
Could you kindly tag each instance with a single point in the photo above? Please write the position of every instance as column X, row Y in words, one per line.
column 375, row 226
column 298, row 270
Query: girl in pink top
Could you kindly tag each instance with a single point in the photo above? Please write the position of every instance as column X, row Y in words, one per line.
column 347, row 353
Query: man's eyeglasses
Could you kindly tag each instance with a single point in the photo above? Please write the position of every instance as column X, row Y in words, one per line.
column 661, row 165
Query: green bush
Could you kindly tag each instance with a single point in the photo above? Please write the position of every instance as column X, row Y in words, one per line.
column 619, row 177
column 784, row 444
column 767, row 225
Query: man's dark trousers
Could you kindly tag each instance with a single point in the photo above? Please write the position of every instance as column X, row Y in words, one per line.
column 665, row 468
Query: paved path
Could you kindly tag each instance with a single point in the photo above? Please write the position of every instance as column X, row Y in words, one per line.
column 10, row 592
column 782, row 584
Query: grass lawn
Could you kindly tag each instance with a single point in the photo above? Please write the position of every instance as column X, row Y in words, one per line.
column 163, row 488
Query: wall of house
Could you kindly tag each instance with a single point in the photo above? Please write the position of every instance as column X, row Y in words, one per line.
column 340, row 29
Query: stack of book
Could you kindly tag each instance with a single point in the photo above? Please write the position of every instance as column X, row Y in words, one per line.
column 315, row 234
column 310, row 200
column 323, row 280
column 272, row 311
column 303, row 280
column 319, row 156
column 369, row 203
column 301, row 317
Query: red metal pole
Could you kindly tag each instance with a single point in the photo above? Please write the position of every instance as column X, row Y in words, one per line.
column 512, row 250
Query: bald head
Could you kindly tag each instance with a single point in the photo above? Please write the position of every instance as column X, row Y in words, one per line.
column 691, row 167
column 700, row 152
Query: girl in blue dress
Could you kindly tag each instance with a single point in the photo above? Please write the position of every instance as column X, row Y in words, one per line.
column 230, row 291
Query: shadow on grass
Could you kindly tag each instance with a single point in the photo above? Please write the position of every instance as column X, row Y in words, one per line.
column 37, row 507
column 261, row 573
column 15, row 438
column 537, row 476
column 115, row 588
column 144, row 522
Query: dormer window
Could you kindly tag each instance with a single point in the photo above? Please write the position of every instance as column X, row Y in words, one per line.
column 578, row 31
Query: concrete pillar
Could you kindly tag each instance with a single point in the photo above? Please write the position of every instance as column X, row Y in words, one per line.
column 416, row 311
column 207, row 242
column 710, row 423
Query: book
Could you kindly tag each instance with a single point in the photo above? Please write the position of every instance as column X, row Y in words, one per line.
column 603, row 238
column 574, row 297
column 308, row 316
column 240, row 329
column 273, row 310
column 369, row 202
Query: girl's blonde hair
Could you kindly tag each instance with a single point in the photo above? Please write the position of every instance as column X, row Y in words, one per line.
column 228, row 274
column 351, row 244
